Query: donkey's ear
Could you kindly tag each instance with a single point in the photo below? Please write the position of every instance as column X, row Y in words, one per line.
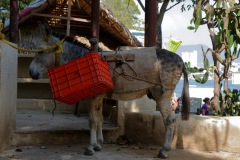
column 45, row 29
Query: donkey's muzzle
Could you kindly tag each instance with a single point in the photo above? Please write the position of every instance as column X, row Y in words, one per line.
column 34, row 75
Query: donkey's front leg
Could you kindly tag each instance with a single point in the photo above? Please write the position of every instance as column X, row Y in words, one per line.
column 95, row 124
column 99, row 124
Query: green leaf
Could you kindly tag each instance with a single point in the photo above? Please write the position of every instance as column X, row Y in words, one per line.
column 198, row 18
column 197, row 78
column 238, row 33
column 230, row 41
column 211, row 12
column 208, row 14
column 205, row 77
column 206, row 63
column 212, row 68
column 191, row 27
column 219, row 58
column 225, row 92
column 219, row 2
column 192, row 21
column 201, row 69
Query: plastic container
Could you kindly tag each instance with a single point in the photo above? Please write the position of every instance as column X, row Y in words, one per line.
column 80, row 79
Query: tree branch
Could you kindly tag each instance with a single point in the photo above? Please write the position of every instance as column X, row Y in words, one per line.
column 172, row 6
column 162, row 12
column 222, row 47
column 142, row 6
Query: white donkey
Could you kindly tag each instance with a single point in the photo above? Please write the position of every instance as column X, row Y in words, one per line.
column 171, row 68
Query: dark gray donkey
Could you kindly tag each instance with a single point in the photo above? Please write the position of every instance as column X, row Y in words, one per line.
column 170, row 67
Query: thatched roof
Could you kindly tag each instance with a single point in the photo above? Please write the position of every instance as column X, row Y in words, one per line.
column 112, row 33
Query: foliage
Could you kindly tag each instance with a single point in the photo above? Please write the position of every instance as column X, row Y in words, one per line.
column 231, row 103
column 126, row 11
column 5, row 7
column 201, row 78
column 223, row 20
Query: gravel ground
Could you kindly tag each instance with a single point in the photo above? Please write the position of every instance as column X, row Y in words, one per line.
column 109, row 152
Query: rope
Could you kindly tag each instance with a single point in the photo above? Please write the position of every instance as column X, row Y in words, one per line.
column 57, row 45
column 134, row 76
column 123, row 61
column 128, row 76
column 124, row 73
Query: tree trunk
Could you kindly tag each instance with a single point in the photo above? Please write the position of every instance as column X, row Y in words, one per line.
column 216, row 86
column 216, row 92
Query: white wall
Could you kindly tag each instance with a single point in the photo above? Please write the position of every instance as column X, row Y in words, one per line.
column 8, row 94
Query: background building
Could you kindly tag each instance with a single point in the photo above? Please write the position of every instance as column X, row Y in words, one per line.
column 190, row 57
column 139, row 35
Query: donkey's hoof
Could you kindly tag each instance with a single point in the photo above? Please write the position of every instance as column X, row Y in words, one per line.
column 162, row 154
column 97, row 148
column 88, row 152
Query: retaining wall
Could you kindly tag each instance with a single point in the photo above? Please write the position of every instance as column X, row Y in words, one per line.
column 208, row 133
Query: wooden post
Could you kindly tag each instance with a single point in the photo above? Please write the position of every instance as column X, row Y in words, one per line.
column 95, row 24
column 150, row 23
column 69, row 16
column 13, row 37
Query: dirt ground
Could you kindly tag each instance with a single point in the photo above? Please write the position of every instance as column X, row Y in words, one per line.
column 109, row 152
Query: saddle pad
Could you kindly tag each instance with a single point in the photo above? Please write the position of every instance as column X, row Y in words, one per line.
column 145, row 67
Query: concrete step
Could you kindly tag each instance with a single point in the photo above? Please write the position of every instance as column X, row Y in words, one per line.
column 43, row 104
column 38, row 127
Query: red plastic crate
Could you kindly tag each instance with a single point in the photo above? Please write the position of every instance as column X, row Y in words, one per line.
column 80, row 79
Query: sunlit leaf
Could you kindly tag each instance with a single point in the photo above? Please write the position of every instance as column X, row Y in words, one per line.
column 191, row 27
column 197, row 78
column 219, row 2
column 230, row 41
column 211, row 12
column 205, row 77
column 206, row 63
column 192, row 20
column 198, row 18
column 238, row 33
column 219, row 58
column 208, row 15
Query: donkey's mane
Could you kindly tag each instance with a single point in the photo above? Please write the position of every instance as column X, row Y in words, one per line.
column 69, row 39
column 72, row 49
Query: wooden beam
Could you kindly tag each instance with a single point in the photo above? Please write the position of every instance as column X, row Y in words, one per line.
column 114, row 58
column 60, row 17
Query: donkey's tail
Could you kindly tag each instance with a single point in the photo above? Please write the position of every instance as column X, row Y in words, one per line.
column 185, row 96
